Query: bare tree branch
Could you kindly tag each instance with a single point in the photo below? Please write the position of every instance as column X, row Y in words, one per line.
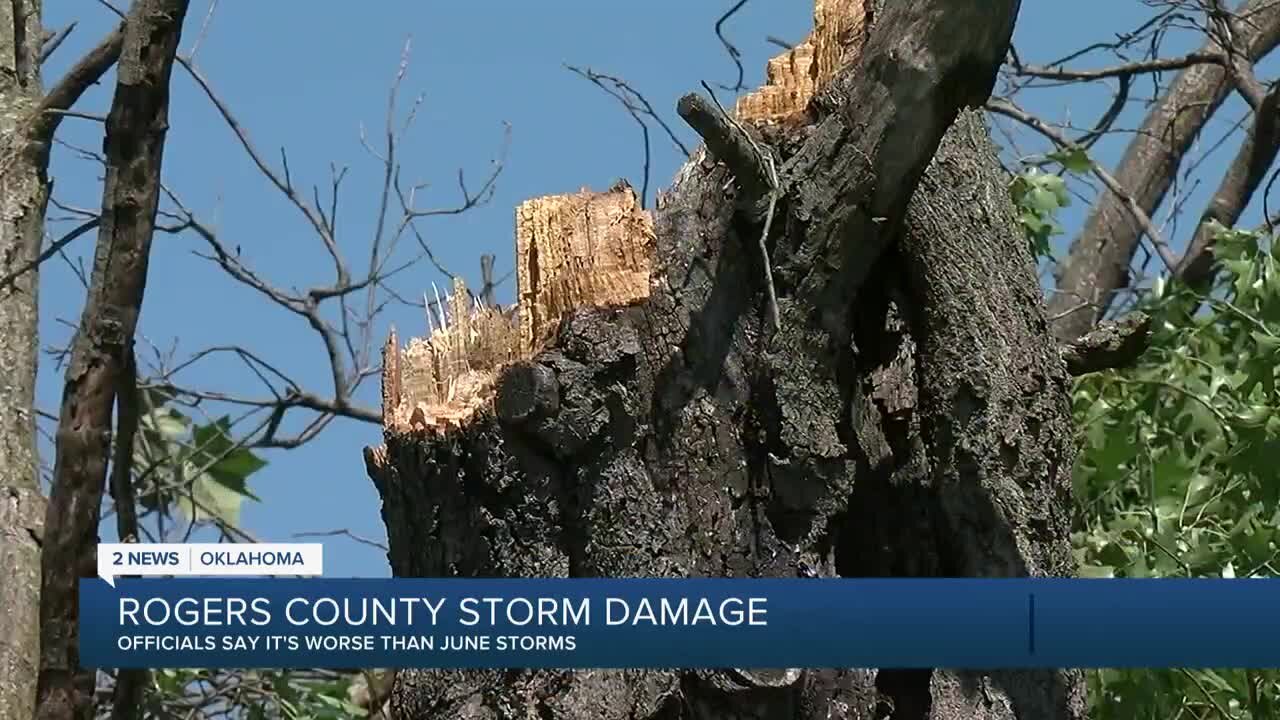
column 1128, row 69
column 55, row 41
column 734, row 54
column 1256, row 155
column 1007, row 108
column 79, row 78
column 53, row 249
column 639, row 108
column 343, row 533
column 1098, row 262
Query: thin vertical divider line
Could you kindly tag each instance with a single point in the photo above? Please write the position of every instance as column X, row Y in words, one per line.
column 1031, row 623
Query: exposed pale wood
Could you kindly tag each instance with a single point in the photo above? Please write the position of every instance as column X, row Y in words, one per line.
column 391, row 391
column 584, row 249
column 579, row 250
column 789, row 84
column 793, row 77
column 444, row 378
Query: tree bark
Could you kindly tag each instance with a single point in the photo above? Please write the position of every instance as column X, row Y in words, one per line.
column 887, row 429
column 134, row 147
column 27, row 128
column 24, row 192
column 1097, row 264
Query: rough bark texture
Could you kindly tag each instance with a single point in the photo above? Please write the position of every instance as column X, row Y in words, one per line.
column 134, row 147
column 26, row 131
column 1098, row 262
column 24, row 191
column 910, row 418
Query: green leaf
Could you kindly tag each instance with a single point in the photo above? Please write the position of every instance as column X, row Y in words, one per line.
column 225, row 464
column 210, row 441
column 1172, row 474
column 239, row 463
column 1266, row 341
column 1075, row 160
column 237, row 484
column 209, row 499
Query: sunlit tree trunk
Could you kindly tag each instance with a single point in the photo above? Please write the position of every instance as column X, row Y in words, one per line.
column 24, row 192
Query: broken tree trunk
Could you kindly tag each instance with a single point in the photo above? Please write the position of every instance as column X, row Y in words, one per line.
column 886, row 429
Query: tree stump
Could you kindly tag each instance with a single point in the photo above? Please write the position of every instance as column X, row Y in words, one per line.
column 909, row 418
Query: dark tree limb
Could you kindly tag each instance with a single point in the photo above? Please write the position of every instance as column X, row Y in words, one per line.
column 128, row 412
column 54, row 40
column 126, row 696
column 1097, row 264
column 1110, row 345
column 850, row 184
column 753, row 165
column 1256, row 155
column 87, row 71
column 134, row 148
column 728, row 142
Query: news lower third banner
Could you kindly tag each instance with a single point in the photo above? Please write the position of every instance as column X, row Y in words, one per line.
column 694, row 623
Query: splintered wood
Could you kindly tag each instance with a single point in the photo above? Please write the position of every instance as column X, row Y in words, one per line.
column 584, row 249
column 577, row 250
column 442, row 379
column 792, row 78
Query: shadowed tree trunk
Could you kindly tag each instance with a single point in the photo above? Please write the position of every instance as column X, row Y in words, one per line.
column 102, row 351
column 909, row 417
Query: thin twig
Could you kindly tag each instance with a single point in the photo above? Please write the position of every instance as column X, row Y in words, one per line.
column 49, row 252
column 1008, row 109
column 344, row 533
column 55, row 41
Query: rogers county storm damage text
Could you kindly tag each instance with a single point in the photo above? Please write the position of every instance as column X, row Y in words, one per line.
column 465, row 611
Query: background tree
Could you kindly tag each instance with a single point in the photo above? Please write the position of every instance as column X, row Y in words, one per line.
column 173, row 457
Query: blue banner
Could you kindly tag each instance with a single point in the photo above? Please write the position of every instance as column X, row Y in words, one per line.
column 694, row 623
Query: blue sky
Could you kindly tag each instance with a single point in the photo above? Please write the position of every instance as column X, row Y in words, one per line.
column 307, row 76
